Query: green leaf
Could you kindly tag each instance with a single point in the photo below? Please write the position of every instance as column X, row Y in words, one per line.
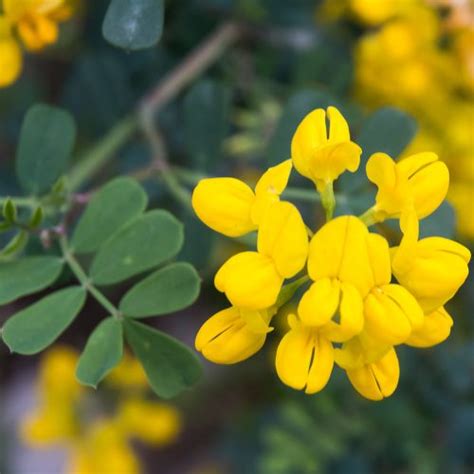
column 36, row 327
column 36, row 218
column 110, row 209
column 102, row 353
column 9, row 211
column 167, row 290
column 298, row 105
column 141, row 245
column 388, row 130
column 170, row 366
column 46, row 142
column 134, row 24
column 206, row 122
column 27, row 275
column 16, row 245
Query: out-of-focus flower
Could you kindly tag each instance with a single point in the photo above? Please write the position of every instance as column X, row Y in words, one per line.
column 230, row 207
column 31, row 23
column 96, row 444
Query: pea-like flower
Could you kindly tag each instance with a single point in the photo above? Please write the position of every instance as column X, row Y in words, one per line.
column 33, row 24
column 352, row 311
column 321, row 156
column 230, row 207
column 373, row 372
column 419, row 180
column 233, row 334
column 432, row 269
column 338, row 264
column 305, row 358
column 254, row 279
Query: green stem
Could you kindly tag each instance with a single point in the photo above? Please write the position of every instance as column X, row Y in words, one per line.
column 81, row 275
column 328, row 200
column 181, row 194
column 29, row 202
column 369, row 217
column 94, row 159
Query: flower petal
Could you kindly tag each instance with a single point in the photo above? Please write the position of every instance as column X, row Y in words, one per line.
column 225, row 338
column 224, row 205
column 11, row 62
column 339, row 250
column 283, row 238
column 249, row 280
column 304, row 360
column 377, row 380
column 310, row 134
column 351, row 316
column 436, row 329
column 319, row 303
column 272, row 183
column 338, row 128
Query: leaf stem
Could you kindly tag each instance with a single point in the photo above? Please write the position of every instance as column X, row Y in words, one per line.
column 29, row 202
column 81, row 275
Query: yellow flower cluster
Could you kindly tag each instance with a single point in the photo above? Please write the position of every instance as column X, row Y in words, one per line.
column 421, row 59
column 98, row 445
column 353, row 313
column 31, row 23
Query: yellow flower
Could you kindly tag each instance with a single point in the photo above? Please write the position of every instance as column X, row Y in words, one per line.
column 129, row 374
column 230, row 207
column 432, row 269
column 338, row 263
column 320, row 156
column 103, row 449
column 152, row 422
column 304, row 358
column 55, row 419
column 436, row 329
column 373, row 373
column 391, row 312
column 36, row 24
column 233, row 334
column 253, row 279
column 419, row 180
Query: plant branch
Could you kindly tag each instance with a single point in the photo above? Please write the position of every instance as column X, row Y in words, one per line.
column 81, row 275
column 28, row 202
column 192, row 66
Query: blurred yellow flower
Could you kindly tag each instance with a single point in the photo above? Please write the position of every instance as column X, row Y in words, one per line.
column 31, row 23
column 97, row 444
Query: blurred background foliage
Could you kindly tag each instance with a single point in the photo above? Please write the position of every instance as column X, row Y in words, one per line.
column 236, row 119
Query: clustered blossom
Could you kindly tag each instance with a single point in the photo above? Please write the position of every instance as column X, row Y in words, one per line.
column 100, row 443
column 363, row 298
column 32, row 24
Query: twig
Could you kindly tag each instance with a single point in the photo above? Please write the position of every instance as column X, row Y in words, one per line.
column 192, row 66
